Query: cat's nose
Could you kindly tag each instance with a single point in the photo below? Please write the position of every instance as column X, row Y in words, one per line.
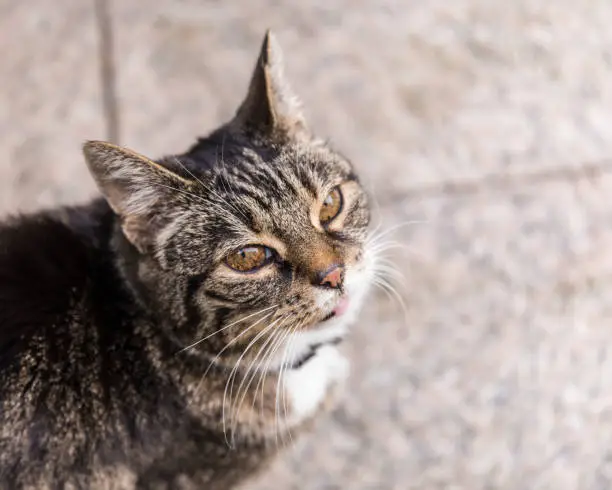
column 331, row 278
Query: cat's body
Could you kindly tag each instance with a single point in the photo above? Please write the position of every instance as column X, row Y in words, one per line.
column 177, row 333
column 88, row 386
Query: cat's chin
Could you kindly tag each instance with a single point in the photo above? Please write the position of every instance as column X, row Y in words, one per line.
column 302, row 346
column 312, row 350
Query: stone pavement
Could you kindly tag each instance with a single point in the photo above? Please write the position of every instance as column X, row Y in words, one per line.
column 485, row 125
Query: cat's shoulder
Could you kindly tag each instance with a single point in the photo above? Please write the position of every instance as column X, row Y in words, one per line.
column 46, row 261
column 54, row 247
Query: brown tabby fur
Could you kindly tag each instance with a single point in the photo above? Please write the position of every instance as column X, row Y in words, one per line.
column 125, row 341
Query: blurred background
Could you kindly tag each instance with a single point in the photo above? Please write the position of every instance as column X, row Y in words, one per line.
column 482, row 128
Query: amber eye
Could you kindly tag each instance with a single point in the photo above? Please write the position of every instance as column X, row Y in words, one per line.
column 331, row 206
column 250, row 258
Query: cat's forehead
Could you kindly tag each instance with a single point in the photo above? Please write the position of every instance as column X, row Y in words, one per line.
column 289, row 176
column 276, row 195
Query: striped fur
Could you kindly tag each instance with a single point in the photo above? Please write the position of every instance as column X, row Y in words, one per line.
column 131, row 355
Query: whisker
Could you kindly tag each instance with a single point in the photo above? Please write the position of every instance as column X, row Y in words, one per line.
column 391, row 245
column 209, row 189
column 228, row 188
column 250, row 373
column 287, row 363
column 386, row 232
column 262, row 369
column 229, row 344
column 372, row 233
column 182, row 191
column 221, row 210
column 385, row 249
column 390, row 289
column 290, row 361
column 280, row 389
column 280, row 334
column 234, row 371
column 184, row 167
column 226, row 327
column 387, row 245
column 389, row 272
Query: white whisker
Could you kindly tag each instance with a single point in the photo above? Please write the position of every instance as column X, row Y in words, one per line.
column 280, row 334
column 209, row 189
column 234, row 373
column 221, row 210
column 226, row 327
column 250, row 373
column 383, row 284
column 263, row 369
column 280, row 389
column 229, row 344
column 374, row 238
column 290, row 361
column 389, row 272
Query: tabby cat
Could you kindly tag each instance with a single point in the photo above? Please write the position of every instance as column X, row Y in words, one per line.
column 177, row 331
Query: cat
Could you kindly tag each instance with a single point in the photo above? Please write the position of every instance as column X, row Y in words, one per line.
column 178, row 330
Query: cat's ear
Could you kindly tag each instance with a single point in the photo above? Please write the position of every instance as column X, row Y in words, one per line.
column 135, row 188
column 270, row 107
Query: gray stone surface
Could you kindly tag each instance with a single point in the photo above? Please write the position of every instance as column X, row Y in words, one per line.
column 498, row 374
column 501, row 376
column 49, row 101
column 426, row 90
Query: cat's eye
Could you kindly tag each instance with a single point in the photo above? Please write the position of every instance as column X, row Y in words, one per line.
column 331, row 207
column 250, row 258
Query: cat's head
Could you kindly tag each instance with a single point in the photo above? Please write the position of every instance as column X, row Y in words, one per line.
column 254, row 237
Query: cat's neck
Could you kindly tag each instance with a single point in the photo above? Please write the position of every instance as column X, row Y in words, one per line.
column 162, row 316
column 126, row 261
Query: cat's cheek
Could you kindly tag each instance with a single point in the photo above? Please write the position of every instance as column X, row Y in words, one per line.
column 309, row 386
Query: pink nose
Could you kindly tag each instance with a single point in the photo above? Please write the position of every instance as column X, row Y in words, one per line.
column 332, row 278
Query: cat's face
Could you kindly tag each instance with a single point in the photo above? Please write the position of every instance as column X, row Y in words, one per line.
column 252, row 244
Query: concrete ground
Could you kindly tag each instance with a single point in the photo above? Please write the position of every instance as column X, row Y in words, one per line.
column 485, row 124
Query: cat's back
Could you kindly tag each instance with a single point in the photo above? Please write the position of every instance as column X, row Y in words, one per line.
column 46, row 262
column 50, row 266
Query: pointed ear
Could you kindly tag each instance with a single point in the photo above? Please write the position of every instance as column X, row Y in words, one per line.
column 271, row 107
column 135, row 188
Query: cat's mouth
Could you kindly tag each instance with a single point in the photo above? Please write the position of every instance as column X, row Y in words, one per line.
column 310, row 351
column 340, row 309
column 329, row 316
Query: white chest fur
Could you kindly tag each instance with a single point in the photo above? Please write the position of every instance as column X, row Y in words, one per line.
column 307, row 386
